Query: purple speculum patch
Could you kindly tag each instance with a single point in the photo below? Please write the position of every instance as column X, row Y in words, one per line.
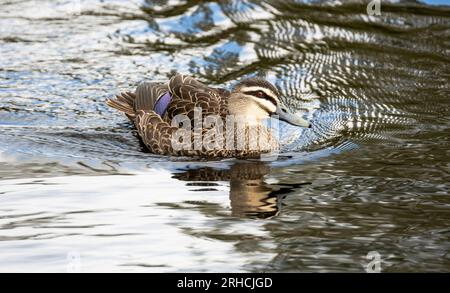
column 162, row 103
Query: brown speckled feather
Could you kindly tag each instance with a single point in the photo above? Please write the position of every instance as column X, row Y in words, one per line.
column 187, row 93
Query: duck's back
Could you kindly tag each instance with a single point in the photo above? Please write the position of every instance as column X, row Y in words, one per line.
column 187, row 94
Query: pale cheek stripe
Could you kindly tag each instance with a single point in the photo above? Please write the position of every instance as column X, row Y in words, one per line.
column 265, row 107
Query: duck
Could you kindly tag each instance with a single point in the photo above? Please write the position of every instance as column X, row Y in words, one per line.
column 185, row 117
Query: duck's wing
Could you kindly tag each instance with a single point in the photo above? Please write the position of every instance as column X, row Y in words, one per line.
column 188, row 93
column 147, row 93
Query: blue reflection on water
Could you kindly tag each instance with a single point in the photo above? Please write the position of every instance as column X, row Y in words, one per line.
column 437, row 2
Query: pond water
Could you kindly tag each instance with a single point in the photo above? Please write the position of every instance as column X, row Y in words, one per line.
column 79, row 193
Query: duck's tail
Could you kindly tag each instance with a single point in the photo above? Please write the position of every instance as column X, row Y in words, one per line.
column 125, row 103
column 145, row 98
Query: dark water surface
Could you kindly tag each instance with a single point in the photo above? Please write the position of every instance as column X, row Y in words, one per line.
column 78, row 193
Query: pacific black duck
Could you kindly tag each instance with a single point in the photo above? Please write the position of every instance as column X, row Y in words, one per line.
column 184, row 117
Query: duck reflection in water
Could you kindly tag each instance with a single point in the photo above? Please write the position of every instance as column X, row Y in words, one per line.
column 250, row 195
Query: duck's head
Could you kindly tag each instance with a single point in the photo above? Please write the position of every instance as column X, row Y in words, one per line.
column 257, row 99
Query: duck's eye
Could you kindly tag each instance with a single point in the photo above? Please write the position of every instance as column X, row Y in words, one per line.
column 260, row 94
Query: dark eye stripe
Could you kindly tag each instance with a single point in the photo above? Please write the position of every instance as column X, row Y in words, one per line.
column 265, row 96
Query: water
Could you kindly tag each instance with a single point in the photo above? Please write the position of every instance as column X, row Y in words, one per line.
column 79, row 193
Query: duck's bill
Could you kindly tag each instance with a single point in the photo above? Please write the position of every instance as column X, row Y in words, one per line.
column 285, row 115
